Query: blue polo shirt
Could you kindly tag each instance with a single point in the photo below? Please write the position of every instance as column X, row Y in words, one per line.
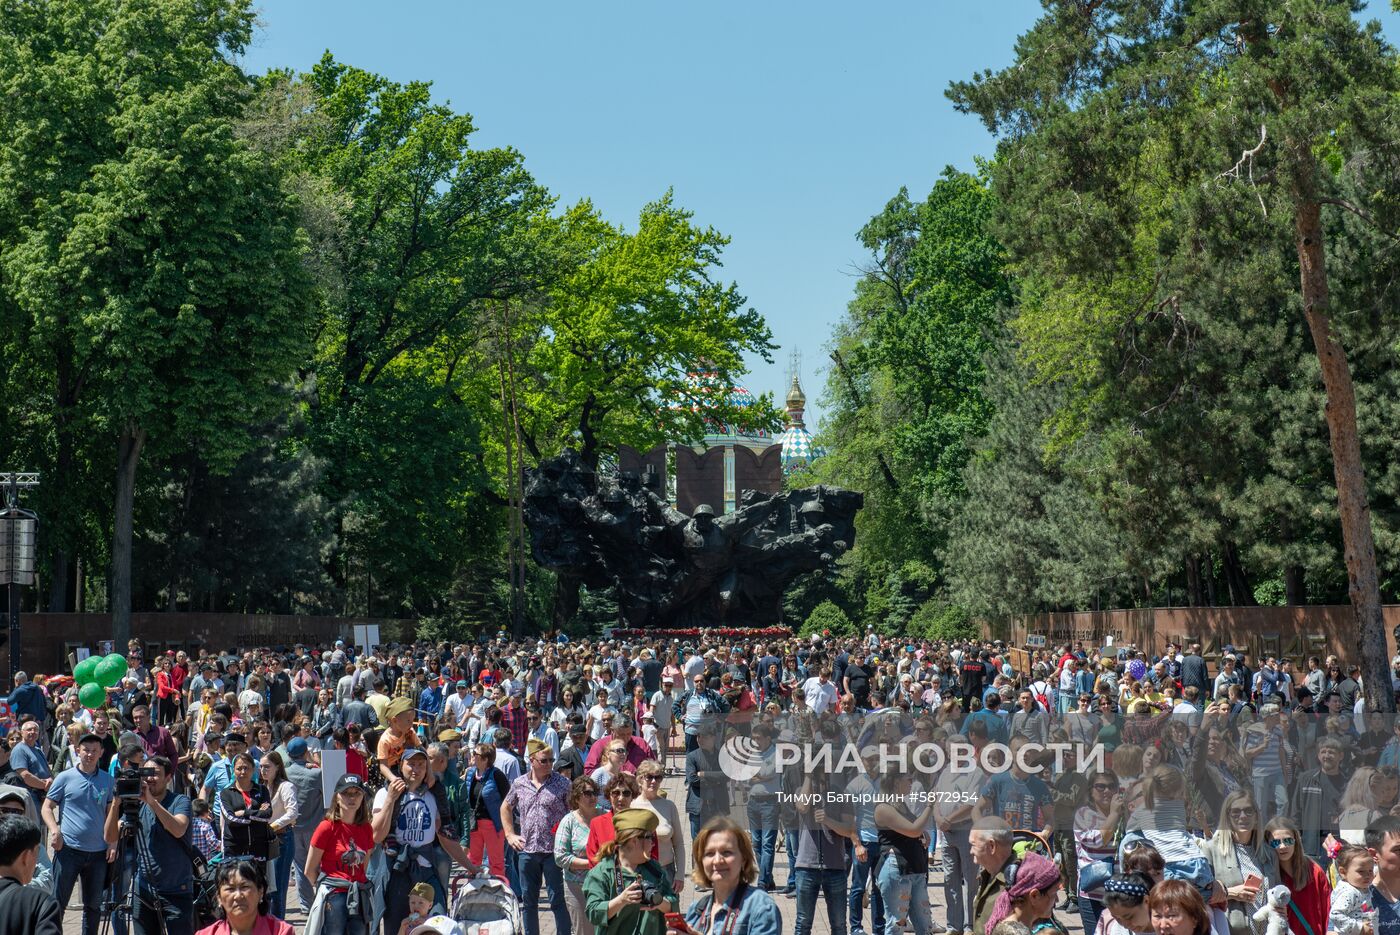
column 82, row 800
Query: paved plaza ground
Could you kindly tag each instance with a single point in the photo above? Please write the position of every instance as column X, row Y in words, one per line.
column 675, row 789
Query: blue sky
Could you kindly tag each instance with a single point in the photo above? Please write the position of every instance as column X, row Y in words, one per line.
column 784, row 125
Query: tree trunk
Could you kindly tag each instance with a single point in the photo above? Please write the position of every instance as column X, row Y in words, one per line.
column 1241, row 594
column 1358, row 541
column 64, row 480
column 1208, row 567
column 128, row 455
column 59, row 583
column 1195, row 589
column 1295, row 585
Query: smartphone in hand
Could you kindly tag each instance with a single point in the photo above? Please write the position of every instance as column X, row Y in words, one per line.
column 676, row 922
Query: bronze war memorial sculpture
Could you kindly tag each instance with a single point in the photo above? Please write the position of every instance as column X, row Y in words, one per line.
column 672, row 570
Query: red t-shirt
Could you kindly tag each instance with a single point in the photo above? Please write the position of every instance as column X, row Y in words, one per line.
column 345, row 849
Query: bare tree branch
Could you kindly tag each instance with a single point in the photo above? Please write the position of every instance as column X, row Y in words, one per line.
column 1245, row 167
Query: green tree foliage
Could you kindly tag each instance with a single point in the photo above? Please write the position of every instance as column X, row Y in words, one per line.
column 179, row 243
column 1183, row 134
column 904, row 396
column 605, row 354
column 149, row 255
column 936, row 620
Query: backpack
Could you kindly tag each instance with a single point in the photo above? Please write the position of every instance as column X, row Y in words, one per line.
column 1040, row 691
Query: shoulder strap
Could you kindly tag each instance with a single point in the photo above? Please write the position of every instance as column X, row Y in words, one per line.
column 1299, row 916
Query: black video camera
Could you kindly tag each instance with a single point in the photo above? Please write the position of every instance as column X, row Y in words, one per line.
column 651, row 896
column 131, row 781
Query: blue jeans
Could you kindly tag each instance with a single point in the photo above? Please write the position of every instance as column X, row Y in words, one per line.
column 282, row 872
column 1089, row 912
column 335, row 920
column 70, row 865
column 832, row 884
column 763, row 828
column 905, row 895
column 533, row 869
column 861, row 874
column 790, row 843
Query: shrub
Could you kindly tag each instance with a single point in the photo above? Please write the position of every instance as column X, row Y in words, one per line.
column 826, row 616
column 937, row 620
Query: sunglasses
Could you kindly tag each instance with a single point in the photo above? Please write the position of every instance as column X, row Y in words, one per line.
column 12, row 810
column 1104, row 787
column 1276, row 843
column 1243, row 813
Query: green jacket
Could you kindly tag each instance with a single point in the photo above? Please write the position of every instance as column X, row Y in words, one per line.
column 600, row 885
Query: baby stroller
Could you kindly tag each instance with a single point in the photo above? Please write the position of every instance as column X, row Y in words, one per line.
column 206, row 891
column 486, row 906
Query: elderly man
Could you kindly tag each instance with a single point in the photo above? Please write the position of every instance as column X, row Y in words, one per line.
column 532, row 809
column 27, row 698
column 991, row 841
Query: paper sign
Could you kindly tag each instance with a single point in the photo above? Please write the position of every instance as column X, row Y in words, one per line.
column 332, row 768
column 1108, row 641
column 366, row 637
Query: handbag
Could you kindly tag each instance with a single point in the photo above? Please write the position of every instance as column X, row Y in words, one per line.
column 1096, row 874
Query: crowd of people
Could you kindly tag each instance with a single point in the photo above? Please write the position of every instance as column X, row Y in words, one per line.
column 1229, row 796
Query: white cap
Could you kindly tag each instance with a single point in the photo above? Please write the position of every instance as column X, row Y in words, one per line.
column 438, row 925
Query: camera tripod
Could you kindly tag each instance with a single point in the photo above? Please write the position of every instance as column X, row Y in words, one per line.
column 135, row 854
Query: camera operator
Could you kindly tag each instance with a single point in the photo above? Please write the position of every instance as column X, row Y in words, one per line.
column 164, row 870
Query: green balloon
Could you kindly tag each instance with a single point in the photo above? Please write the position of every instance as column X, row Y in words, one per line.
column 108, row 675
column 118, row 662
column 84, row 671
column 92, row 695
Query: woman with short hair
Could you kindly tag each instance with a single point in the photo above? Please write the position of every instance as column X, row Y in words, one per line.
column 571, row 850
column 485, row 788
column 618, row 795
column 1178, row 909
column 726, row 866
column 241, row 889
